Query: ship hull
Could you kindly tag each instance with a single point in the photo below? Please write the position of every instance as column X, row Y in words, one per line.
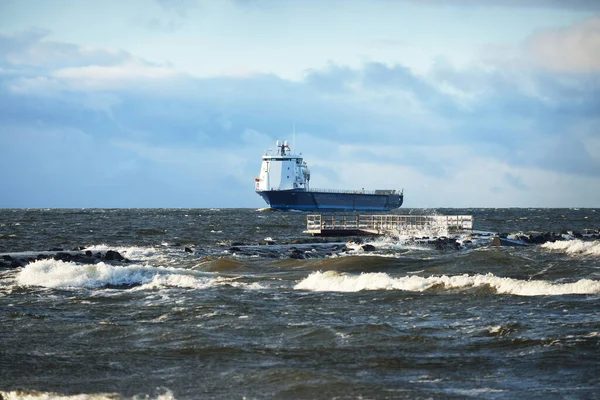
column 326, row 201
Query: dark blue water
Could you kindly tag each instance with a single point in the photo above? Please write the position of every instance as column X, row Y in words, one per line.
column 226, row 304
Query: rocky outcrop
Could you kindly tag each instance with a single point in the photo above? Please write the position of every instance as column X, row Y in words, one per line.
column 76, row 256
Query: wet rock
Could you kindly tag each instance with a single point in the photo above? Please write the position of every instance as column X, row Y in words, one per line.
column 297, row 254
column 188, row 250
column 368, row 247
column 18, row 263
column 538, row 239
column 62, row 256
column 498, row 241
column 524, row 238
column 112, row 255
column 83, row 259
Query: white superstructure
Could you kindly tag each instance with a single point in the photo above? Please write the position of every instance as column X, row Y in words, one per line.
column 283, row 171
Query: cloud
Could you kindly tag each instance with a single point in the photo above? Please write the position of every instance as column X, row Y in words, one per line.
column 141, row 134
column 173, row 16
column 179, row 7
column 583, row 5
column 332, row 79
column 33, row 65
column 96, row 77
column 30, row 48
column 573, row 49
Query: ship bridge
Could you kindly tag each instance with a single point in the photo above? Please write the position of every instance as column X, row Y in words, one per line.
column 282, row 171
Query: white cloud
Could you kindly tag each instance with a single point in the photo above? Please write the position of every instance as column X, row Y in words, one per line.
column 572, row 49
column 31, row 48
column 492, row 135
column 97, row 77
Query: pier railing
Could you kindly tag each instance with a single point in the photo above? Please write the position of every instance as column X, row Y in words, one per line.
column 317, row 224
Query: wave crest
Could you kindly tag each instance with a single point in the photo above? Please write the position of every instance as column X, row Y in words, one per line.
column 339, row 282
column 60, row 274
column 575, row 247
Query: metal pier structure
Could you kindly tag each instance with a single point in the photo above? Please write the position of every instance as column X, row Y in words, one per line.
column 404, row 225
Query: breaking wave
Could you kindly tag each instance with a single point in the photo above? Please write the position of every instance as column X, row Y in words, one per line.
column 339, row 282
column 131, row 252
column 164, row 394
column 575, row 247
column 60, row 274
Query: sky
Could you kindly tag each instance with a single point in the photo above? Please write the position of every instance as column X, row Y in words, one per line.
column 172, row 103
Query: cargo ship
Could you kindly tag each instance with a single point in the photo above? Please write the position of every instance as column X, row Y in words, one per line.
column 284, row 179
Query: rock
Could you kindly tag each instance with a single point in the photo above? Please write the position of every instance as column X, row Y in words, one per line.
column 112, row 255
column 499, row 241
column 62, row 256
column 188, row 250
column 18, row 263
column 368, row 247
column 524, row 238
column 297, row 254
column 538, row 239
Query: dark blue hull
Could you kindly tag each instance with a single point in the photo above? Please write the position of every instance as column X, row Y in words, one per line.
column 324, row 201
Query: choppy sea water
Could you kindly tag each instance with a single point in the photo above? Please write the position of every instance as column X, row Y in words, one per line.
column 240, row 303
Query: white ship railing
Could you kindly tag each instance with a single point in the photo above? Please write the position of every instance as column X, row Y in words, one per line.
column 384, row 192
column 389, row 224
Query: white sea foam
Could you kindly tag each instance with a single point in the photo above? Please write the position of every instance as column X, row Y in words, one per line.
column 55, row 273
column 341, row 282
column 33, row 395
column 132, row 252
column 164, row 394
column 575, row 247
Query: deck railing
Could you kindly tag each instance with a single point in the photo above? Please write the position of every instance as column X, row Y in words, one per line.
column 359, row 191
column 381, row 224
